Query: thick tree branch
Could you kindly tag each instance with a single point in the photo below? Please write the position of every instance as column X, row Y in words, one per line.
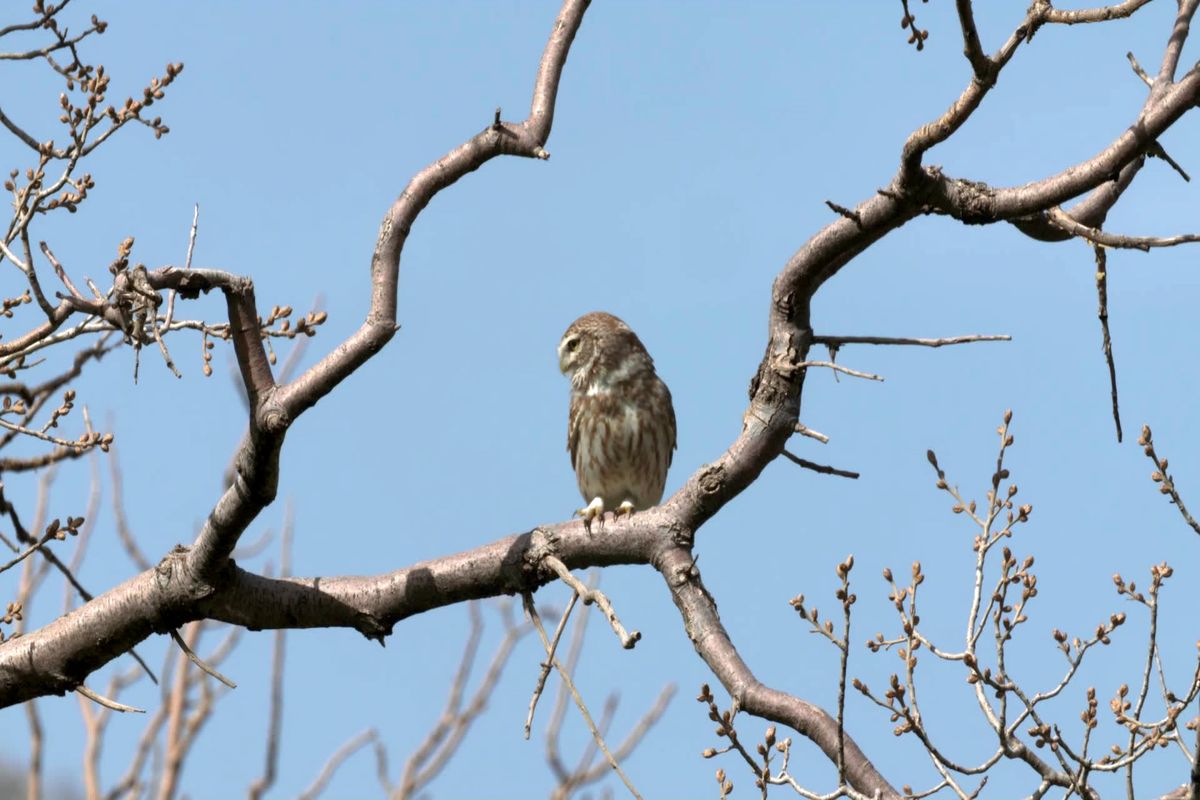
column 712, row 643
column 63, row 653
column 500, row 138
column 1091, row 211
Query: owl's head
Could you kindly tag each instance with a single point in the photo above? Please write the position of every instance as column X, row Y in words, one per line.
column 598, row 349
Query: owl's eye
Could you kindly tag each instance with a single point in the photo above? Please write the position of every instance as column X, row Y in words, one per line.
column 572, row 345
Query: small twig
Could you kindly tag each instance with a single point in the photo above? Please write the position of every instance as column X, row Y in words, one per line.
column 195, row 659
column 11, row 256
column 448, row 733
column 1155, row 150
column 1162, row 477
column 839, row 368
column 589, row 596
column 804, row 430
column 278, row 656
column 1137, row 70
column 1067, row 223
column 27, row 552
column 123, row 531
column 570, row 684
column 849, row 214
column 298, row 348
column 33, row 777
column 553, row 735
column 79, row 446
column 59, row 271
column 331, row 766
column 916, row 36
column 244, row 552
column 548, row 664
column 187, row 264
column 1102, row 313
column 815, row 467
column 838, row 341
column 104, row 701
column 162, row 346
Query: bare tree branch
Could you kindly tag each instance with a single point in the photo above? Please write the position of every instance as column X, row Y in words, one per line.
column 336, row 760
column 838, row 341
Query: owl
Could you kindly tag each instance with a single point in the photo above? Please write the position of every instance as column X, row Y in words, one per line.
column 621, row 426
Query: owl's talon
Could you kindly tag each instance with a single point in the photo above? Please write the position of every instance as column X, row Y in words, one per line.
column 626, row 508
column 594, row 510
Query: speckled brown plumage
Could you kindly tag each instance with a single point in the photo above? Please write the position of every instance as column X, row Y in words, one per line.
column 621, row 426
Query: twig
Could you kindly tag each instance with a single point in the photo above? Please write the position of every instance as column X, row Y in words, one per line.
column 589, row 596
column 1067, row 223
column 162, row 347
column 558, row 714
column 447, row 735
column 1137, row 70
column 199, row 662
column 1102, row 313
column 187, row 264
column 570, row 684
column 547, row 665
column 278, row 654
column 122, row 522
column 59, row 271
column 27, row 552
column 849, row 214
column 1156, row 150
column 104, row 701
column 839, row 368
column 244, row 552
column 11, row 256
column 89, row 516
column 33, row 776
column 1163, row 478
column 815, row 467
column 804, row 430
column 639, row 731
column 838, row 341
column 79, row 446
column 335, row 761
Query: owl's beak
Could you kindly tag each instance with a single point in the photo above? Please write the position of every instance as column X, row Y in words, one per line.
column 562, row 360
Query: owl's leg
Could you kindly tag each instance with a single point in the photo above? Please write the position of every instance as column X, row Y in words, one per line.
column 625, row 508
column 593, row 510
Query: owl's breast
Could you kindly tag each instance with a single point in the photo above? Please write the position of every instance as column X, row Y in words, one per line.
column 622, row 450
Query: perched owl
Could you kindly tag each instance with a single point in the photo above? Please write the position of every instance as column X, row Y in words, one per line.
column 621, row 427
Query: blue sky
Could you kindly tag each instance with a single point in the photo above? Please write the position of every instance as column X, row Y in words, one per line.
column 693, row 149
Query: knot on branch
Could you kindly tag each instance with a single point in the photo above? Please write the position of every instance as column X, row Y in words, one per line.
column 272, row 419
column 515, row 140
column 681, row 535
column 711, row 480
column 531, row 571
column 182, row 589
column 971, row 202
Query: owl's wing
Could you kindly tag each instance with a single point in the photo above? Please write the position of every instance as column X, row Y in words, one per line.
column 670, row 424
column 573, row 428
